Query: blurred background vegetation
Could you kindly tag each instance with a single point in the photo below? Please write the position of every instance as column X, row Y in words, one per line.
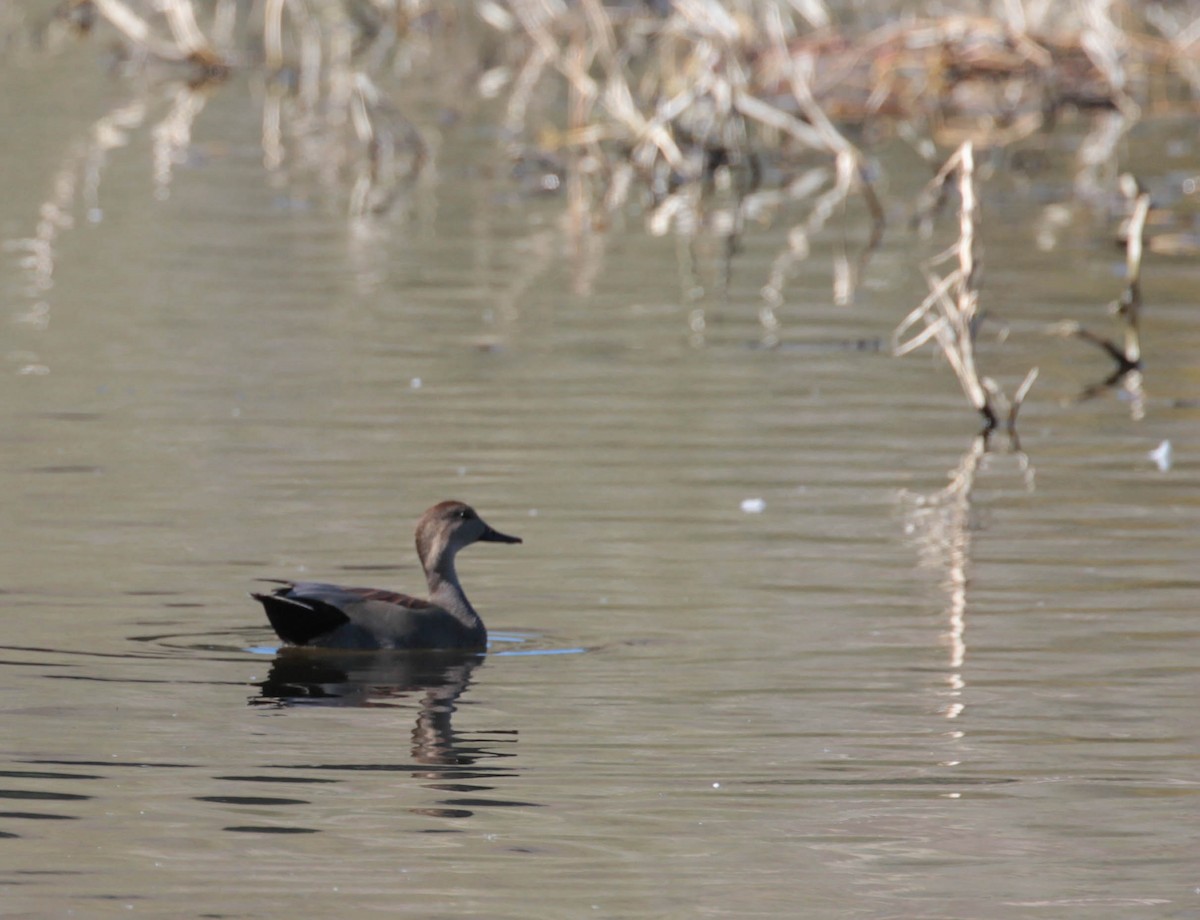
column 697, row 117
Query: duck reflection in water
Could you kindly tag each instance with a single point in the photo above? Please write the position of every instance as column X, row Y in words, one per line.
column 324, row 677
column 311, row 677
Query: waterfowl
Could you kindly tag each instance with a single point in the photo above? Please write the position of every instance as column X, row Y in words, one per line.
column 331, row 616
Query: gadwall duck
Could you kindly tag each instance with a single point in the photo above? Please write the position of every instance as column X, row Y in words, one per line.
column 331, row 616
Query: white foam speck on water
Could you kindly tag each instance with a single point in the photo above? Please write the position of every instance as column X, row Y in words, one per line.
column 1161, row 456
column 753, row 505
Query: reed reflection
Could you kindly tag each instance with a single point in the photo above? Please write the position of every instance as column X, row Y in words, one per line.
column 941, row 525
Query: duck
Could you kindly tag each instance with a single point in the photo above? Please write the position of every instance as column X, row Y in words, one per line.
column 319, row 615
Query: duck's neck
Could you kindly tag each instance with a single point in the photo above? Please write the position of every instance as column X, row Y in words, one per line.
column 446, row 592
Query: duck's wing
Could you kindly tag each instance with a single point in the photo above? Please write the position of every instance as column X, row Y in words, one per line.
column 314, row 613
column 298, row 615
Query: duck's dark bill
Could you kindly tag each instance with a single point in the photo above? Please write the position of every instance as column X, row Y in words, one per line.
column 495, row 536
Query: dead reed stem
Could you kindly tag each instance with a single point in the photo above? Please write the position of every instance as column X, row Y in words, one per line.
column 1126, row 355
column 1128, row 307
column 949, row 315
column 187, row 42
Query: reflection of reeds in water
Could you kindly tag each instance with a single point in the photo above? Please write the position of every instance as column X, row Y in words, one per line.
column 324, row 118
column 74, row 195
column 677, row 110
column 323, row 112
column 940, row 525
column 708, row 117
column 676, row 103
column 75, row 188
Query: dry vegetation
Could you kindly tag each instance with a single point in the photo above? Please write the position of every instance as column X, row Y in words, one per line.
column 704, row 117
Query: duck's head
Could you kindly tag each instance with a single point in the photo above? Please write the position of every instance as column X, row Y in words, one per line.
column 450, row 526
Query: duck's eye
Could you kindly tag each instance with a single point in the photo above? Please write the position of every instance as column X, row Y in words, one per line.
column 464, row 514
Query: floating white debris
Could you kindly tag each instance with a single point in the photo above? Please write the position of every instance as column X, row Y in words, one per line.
column 415, row 383
column 753, row 505
column 1161, row 456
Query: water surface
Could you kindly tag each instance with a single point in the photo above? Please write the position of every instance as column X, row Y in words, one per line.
column 759, row 655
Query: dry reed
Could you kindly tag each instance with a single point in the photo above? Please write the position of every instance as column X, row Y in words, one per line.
column 1128, row 307
column 1127, row 354
column 706, row 117
column 949, row 315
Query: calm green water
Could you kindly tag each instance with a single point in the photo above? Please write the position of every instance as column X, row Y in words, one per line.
column 740, row 668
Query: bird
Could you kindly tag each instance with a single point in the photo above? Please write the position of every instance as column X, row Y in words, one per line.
column 314, row 614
